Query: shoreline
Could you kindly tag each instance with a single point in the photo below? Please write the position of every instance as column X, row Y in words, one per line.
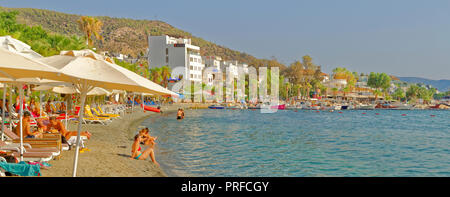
column 110, row 150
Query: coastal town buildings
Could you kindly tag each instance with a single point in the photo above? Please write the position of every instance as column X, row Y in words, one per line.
column 175, row 52
column 212, row 62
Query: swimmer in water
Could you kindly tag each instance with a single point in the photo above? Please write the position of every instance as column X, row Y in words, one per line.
column 180, row 114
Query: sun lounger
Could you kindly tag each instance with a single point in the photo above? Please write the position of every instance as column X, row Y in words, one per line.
column 36, row 143
column 16, row 147
column 103, row 115
column 111, row 115
column 91, row 118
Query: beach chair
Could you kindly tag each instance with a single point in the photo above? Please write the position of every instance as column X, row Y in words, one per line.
column 16, row 147
column 111, row 115
column 91, row 118
column 102, row 115
column 51, row 141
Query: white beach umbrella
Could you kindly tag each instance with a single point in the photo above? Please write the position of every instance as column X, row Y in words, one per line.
column 15, row 67
column 72, row 90
column 99, row 91
column 89, row 70
column 17, row 46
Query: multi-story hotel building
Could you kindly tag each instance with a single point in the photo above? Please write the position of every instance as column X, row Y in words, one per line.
column 175, row 52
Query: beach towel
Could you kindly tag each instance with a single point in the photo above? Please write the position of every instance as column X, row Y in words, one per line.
column 73, row 140
column 21, row 168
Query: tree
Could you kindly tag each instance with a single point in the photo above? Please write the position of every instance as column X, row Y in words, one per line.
column 296, row 72
column 155, row 75
column 90, row 26
column 40, row 40
column 379, row 81
column 165, row 74
column 412, row 92
column 335, row 90
column 398, row 94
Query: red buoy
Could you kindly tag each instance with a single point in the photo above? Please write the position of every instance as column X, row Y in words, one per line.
column 403, row 114
column 377, row 113
column 340, row 112
column 432, row 115
column 363, row 113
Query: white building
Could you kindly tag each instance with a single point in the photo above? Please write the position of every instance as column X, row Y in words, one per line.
column 175, row 52
column 214, row 62
column 234, row 67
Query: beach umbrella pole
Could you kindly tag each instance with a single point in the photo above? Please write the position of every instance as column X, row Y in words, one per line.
column 40, row 103
column 132, row 105
column 9, row 108
column 83, row 90
column 3, row 110
column 66, row 113
column 20, row 119
column 142, row 102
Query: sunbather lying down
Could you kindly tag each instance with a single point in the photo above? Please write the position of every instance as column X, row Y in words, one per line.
column 53, row 125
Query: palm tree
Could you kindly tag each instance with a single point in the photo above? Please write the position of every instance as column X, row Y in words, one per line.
column 165, row 74
column 155, row 75
column 90, row 26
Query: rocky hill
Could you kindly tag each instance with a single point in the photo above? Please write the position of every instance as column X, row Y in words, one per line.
column 128, row 36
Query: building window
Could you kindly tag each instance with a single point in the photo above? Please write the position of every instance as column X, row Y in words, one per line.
column 192, row 76
column 167, row 59
column 167, row 51
column 191, row 68
column 191, row 59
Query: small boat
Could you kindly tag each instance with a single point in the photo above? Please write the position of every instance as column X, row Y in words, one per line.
column 216, row 107
column 148, row 108
column 365, row 107
column 402, row 106
column 385, row 106
column 280, row 107
column 233, row 107
column 437, row 106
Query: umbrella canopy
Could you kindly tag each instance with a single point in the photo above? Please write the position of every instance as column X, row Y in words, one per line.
column 15, row 66
column 72, row 90
column 17, row 46
column 102, row 73
column 34, row 80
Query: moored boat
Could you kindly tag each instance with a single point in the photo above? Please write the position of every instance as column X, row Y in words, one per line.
column 216, row 107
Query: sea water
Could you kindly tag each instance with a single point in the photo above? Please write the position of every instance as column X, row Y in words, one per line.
column 219, row 142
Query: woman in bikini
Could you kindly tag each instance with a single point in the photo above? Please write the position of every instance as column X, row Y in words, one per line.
column 136, row 149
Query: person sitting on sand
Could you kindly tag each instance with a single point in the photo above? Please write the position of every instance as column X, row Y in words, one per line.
column 136, row 150
column 146, row 137
column 27, row 132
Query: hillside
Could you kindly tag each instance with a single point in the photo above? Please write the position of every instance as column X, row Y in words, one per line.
column 128, row 36
column 441, row 85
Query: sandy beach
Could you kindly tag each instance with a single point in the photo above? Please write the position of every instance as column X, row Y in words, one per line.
column 110, row 150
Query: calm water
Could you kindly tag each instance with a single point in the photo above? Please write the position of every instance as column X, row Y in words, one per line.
column 305, row 143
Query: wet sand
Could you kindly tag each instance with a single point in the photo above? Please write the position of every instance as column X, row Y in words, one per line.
column 110, row 151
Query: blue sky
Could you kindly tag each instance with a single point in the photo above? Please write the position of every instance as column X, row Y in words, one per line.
column 404, row 38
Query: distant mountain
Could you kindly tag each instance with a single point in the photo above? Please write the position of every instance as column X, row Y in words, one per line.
column 442, row 85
